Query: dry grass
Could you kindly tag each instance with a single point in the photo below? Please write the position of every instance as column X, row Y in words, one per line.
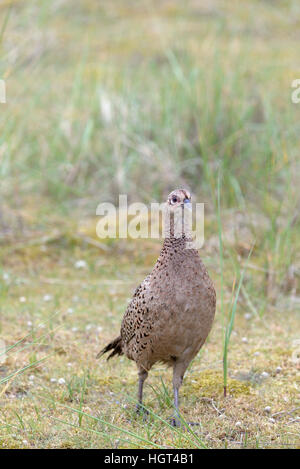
column 81, row 309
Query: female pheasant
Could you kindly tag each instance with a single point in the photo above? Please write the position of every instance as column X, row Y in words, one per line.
column 172, row 311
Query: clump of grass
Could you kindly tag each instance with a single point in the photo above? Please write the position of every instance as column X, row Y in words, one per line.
column 235, row 291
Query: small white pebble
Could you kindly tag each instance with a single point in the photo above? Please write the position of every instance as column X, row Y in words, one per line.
column 53, row 380
column 81, row 264
column 238, row 424
column 272, row 420
column 69, row 364
column 25, row 442
column 74, row 329
column 22, row 299
column 31, row 378
column 61, row 381
column 248, row 316
column 267, row 409
column 99, row 329
column 256, row 354
column 245, row 340
column 29, row 323
column 47, row 297
column 70, row 310
column 5, row 277
column 278, row 369
column 265, row 374
column 88, row 327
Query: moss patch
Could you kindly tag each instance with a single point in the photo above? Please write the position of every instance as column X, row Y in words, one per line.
column 210, row 384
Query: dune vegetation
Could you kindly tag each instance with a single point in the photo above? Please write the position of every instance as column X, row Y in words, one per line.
column 138, row 98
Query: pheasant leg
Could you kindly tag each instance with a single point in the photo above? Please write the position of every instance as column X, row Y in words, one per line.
column 142, row 377
column 175, row 421
column 178, row 373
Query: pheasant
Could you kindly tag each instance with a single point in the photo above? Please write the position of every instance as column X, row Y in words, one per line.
column 172, row 311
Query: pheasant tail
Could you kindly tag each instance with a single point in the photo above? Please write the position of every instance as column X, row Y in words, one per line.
column 116, row 347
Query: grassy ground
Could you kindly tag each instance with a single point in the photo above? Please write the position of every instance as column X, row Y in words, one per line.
column 71, row 313
column 139, row 98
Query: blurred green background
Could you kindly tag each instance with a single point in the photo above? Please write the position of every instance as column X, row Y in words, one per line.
column 140, row 97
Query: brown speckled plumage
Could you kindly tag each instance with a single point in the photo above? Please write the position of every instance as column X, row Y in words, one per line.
column 171, row 312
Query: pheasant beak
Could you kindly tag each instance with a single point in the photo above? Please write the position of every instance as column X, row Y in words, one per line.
column 187, row 204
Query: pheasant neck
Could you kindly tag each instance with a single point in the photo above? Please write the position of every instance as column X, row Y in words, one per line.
column 178, row 225
column 172, row 243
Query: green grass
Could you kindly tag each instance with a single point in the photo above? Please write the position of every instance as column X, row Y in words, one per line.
column 137, row 98
column 95, row 406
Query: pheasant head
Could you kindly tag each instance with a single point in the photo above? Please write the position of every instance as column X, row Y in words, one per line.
column 178, row 214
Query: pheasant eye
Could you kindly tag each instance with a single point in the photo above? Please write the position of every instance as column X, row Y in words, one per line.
column 174, row 199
